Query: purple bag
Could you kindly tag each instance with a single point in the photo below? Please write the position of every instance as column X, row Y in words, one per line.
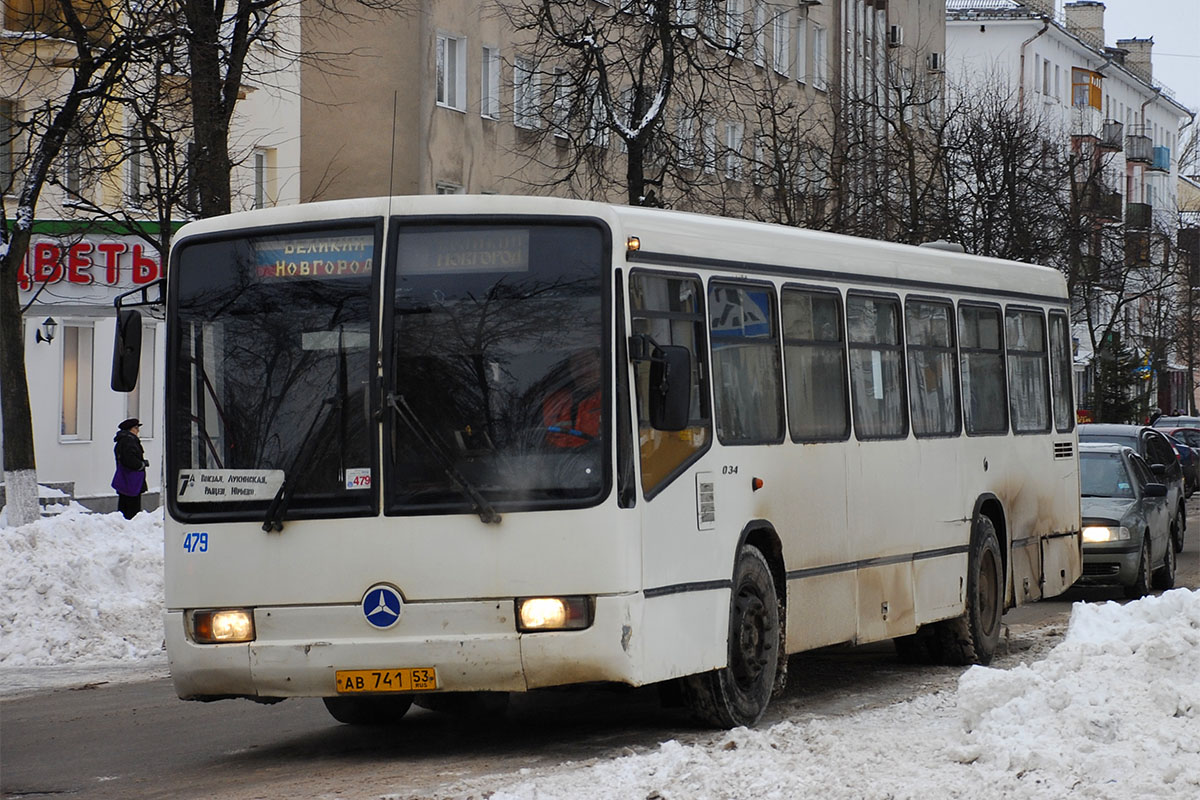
column 129, row 482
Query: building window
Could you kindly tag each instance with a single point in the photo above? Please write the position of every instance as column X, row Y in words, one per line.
column 802, row 50
column 76, row 417
column 780, row 33
column 139, row 403
column 820, row 58
column 451, row 71
column 489, row 89
column 560, row 111
column 8, row 138
column 137, row 171
column 733, row 151
column 758, row 47
column 735, row 20
column 526, row 94
column 72, row 178
column 447, row 188
column 260, row 179
column 685, row 135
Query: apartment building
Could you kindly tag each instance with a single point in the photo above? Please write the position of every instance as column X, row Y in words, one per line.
column 1121, row 127
column 454, row 98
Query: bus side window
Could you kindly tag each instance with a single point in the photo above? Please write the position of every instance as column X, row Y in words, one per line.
column 1061, row 372
column 981, row 355
column 669, row 309
column 814, row 354
column 1028, row 376
column 876, row 366
column 932, row 368
column 748, row 390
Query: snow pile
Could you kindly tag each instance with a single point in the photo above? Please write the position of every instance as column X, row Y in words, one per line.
column 1113, row 712
column 81, row 588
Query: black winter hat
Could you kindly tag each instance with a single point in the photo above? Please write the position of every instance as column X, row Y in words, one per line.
column 132, row 422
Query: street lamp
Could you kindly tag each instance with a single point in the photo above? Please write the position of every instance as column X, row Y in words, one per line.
column 46, row 332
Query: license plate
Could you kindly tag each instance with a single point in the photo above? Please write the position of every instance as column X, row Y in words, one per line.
column 407, row 679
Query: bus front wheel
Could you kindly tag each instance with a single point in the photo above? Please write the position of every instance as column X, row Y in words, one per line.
column 973, row 637
column 738, row 694
column 385, row 710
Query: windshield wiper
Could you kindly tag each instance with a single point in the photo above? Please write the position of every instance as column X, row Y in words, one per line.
column 279, row 504
column 479, row 503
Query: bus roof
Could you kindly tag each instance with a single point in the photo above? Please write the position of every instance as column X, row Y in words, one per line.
column 681, row 238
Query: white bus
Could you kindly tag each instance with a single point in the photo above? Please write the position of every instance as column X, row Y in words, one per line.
column 427, row 447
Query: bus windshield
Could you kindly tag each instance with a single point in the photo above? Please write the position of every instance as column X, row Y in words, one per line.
column 496, row 388
column 271, row 355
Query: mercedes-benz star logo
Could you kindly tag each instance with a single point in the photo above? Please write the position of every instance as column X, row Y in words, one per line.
column 381, row 606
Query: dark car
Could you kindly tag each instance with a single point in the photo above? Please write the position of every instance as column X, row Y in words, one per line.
column 1176, row 422
column 1126, row 521
column 1189, row 461
column 1152, row 445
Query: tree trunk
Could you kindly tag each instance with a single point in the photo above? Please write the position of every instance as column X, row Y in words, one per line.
column 20, row 468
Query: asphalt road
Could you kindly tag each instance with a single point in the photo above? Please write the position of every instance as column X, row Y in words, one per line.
column 137, row 740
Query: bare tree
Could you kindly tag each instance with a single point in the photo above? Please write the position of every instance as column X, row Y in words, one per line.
column 615, row 77
column 71, row 57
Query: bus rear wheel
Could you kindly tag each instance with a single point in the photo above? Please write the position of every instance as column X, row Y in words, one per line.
column 973, row 637
column 383, row 710
column 738, row 694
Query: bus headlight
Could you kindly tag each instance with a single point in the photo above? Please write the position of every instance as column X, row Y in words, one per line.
column 1104, row 533
column 553, row 613
column 220, row 626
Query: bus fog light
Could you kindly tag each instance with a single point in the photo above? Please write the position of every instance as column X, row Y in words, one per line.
column 224, row 625
column 553, row 613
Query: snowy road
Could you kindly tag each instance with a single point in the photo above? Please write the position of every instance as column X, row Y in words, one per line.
column 848, row 713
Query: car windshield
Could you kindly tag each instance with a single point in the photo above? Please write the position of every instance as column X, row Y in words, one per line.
column 1104, row 475
column 496, row 385
column 1114, row 438
column 271, row 342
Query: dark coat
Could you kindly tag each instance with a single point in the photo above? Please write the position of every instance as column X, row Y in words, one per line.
column 130, row 477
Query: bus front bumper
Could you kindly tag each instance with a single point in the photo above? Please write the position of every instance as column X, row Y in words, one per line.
column 472, row 645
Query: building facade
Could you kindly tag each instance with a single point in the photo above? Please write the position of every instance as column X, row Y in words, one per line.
column 93, row 239
column 1120, row 130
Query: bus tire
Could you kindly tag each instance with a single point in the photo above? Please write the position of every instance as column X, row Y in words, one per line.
column 384, row 710
column 738, row 693
column 973, row 637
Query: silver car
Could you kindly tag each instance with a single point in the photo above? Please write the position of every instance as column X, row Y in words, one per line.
column 1126, row 521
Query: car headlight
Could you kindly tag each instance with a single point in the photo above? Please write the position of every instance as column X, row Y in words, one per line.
column 221, row 626
column 553, row 613
column 1104, row 533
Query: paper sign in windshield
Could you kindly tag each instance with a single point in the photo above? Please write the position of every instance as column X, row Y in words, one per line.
column 228, row 485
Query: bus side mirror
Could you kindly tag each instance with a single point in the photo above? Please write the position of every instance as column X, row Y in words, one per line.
column 127, row 350
column 670, row 387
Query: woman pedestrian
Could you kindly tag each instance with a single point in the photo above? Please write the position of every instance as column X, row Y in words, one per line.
column 130, row 478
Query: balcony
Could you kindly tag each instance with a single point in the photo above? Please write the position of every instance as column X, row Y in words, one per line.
column 1162, row 159
column 1139, row 148
column 1137, row 249
column 1103, row 204
column 1111, row 135
column 1086, row 121
column 1137, row 216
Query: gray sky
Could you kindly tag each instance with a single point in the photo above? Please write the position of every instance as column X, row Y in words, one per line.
column 1175, row 27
